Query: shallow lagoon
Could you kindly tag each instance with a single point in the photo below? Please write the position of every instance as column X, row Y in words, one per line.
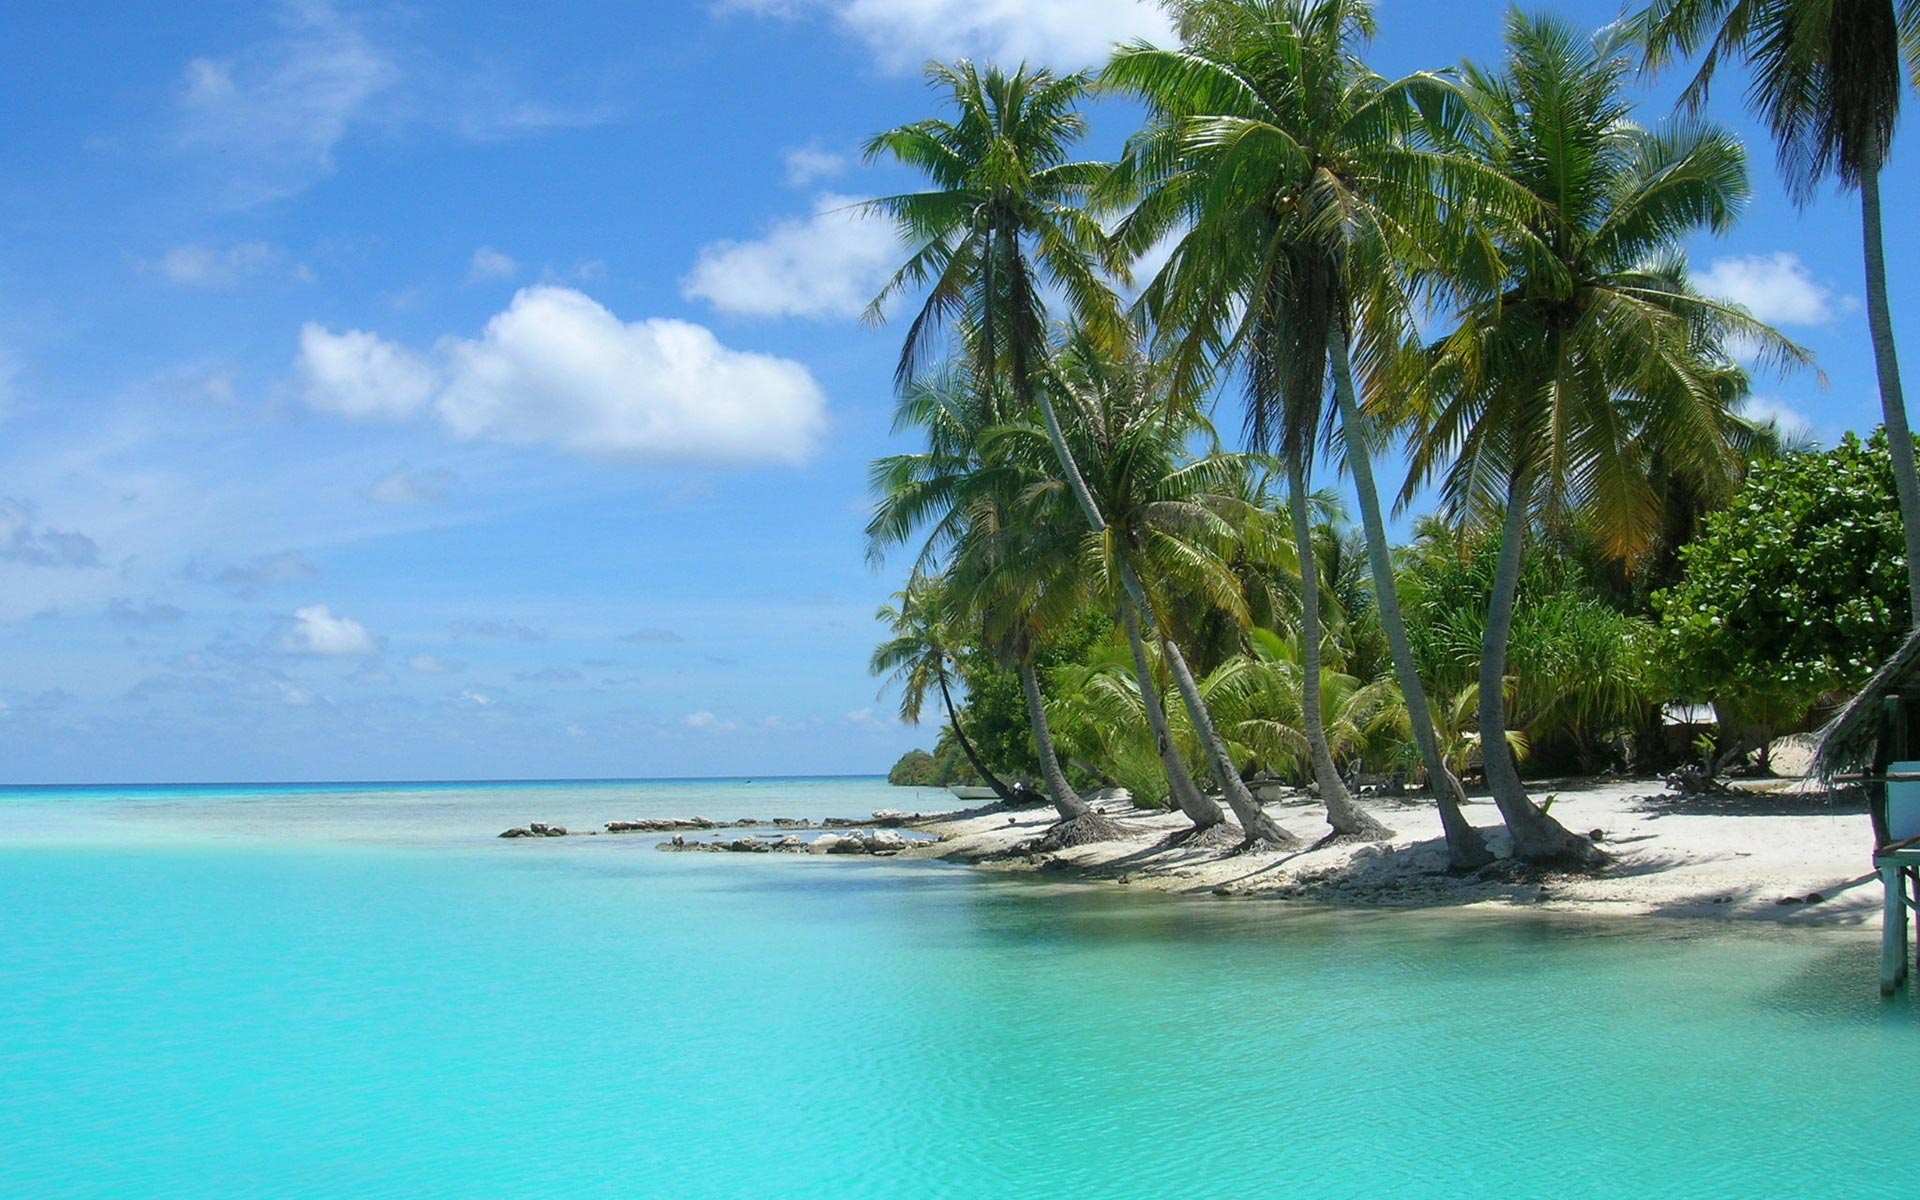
column 314, row 993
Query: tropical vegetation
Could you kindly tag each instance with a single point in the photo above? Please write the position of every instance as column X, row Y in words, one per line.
column 1479, row 271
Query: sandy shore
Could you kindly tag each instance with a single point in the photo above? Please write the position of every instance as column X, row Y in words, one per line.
column 1789, row 855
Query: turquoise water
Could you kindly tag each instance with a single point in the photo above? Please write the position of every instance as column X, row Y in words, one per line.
column 359, row 992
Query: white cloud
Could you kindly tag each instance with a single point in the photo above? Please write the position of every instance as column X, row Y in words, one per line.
column 904, row 33
column 1790, row 421
column 195, row 265
column 490, row 264
column 558, row 369
column 404, row 487
column 433, row 664
column 707, row 722
column 807, row 164
column 265, row 121
column 472, row 699
column 1777, row 288
column 315, row 630
column 827, row 265
column 268, row 118
column 361, row 375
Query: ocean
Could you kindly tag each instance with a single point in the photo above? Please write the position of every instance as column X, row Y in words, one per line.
column 358, row 991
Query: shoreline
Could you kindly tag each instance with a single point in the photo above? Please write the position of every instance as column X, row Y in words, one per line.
column 1782, row 855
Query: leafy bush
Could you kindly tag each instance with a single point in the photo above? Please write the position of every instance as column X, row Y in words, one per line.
column 1796, row 590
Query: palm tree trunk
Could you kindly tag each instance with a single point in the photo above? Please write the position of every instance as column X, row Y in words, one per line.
column 1466, row 849
column 1066, row 801
column 1199, row 808
column 1254, row 821
column 1347, row 818
column 1893, row 404
column 1537, row 837
column 1079, row 824
column 1000, row 789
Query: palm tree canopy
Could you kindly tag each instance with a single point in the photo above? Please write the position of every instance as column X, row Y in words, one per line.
column 1296, row 181
column 1826, row 74
column 1002, row 223
column 1584, row 349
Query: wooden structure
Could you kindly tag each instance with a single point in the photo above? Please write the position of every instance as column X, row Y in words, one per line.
column 1875, row 742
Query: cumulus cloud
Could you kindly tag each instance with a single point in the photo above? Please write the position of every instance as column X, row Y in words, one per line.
column 558, row 369
column 707, row 722
column 24, row 540
column 404, row 486
column 1777, row 288
column 362, row 376
column 902, row 34
column 829, row 264
column 808, row 164
column 433, row 664
column 315, row 630
column 470, row 698
column 488, row 264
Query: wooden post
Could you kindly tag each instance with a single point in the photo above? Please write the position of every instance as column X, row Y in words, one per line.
column 1893, row 927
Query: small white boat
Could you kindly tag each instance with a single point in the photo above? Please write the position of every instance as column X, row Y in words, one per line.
column 973, row 792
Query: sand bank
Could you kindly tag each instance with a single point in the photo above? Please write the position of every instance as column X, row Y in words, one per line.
column 1789, row 855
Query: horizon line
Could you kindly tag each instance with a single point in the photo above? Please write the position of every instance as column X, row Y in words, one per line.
column 235, row 783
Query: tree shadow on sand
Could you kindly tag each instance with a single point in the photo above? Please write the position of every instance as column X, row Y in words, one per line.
column 1834, row 802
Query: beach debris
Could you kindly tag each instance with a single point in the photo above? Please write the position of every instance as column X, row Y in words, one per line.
column 1697, row 781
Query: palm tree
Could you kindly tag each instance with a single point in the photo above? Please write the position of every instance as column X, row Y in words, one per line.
column 1582, row 350
column 1004, row 217
column 1165, row 514
column 1006, row 569
column 1017, row 572
column 918, row 657
column 1827, row 80
column 1294, row 170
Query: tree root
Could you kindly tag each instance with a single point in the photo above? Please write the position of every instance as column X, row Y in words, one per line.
column 1214, row 837
column 1267, row 845
column 1080, row 831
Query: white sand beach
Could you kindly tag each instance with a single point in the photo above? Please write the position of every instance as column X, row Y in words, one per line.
column 1787, row 854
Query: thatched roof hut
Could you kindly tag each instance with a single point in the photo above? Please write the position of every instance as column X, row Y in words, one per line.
column 1853, row 742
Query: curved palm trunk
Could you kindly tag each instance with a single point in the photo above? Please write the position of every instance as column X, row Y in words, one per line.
column 1893, row 404
column 1347, row 818
column 1066, row 801
column 1537, row 837
column 1466, row 849
column 1000, row 789
column 1199, row 808
column 1254, row 821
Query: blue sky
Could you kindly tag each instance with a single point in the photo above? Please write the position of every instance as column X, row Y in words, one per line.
column 433, row 390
